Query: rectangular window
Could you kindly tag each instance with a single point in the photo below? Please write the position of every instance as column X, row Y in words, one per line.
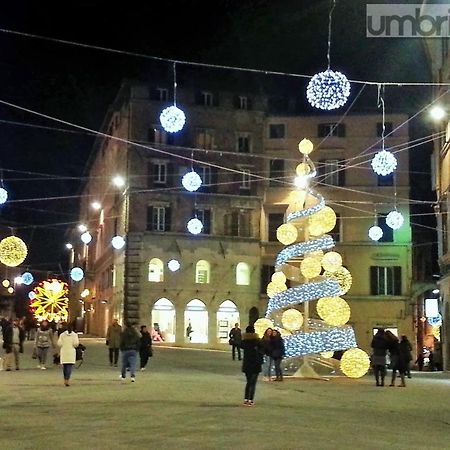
column 336, row 233
column 163, row 94
column 238, row 223
column 245, row 182
column 388, row 127
column 204, row 215
column 385, row 280
column 158, row 218
column 205, row 139
column 276, row 172
column 243, row 102
column 207, row 98
column 243, row 143
column 388, row 232
column 266, row 275
column 331, row 129
column 159, row 173
column 275, row 220
column 157, row 135
column 205, row 174
column 277, row 131
column 332, row 172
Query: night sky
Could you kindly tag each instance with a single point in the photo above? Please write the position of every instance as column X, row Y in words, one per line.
column 77, row 84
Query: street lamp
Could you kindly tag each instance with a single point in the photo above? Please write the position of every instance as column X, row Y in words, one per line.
column 118, row 181
column 96, row 205
column 437, row 112
column 69, row 246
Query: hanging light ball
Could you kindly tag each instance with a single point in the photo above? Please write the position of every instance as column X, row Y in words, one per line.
column 332, row 261
column 275, row 288
column 375, row 233
column 435, row 321
column 343, row 277
column 303, row 169
column 305, row 146
column 394, row 220
column 10, row 290
column 191, row 181
column 278, row 278
column 27, row 278
column 334, row 311
column 436, row 332
column 195, row 226
column 118, row 242
column 384, row 163
column 261, row 326
column 3, row 196
column 6, row 283
column 318, row 254
column 86, row 237
column 172, row 119
column 173, row 265
column 13, row 251
column 326, row 355
column 287, row 233
column 328, row 90
column 31, row 295
column 77, row 274
column 355, row 363
column 322, row 221
column 310, row 267
column 292, row 319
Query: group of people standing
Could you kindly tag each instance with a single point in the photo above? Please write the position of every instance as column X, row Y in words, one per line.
column 400, row 355
column 129, row 342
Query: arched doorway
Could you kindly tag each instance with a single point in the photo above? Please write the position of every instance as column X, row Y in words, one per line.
column 163, row 320
column 196, row 322
column 227, row 316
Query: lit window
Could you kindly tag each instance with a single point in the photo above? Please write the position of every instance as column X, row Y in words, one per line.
column 205, row 138
column 245, row 183
column 243, row 274
column 156, row 271
column 202, row 272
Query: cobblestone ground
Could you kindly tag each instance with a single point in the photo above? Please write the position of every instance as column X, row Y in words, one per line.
column 190, row 399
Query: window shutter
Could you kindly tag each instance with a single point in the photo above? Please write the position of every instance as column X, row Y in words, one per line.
column 150, row 218
column 215, row 100
column 373, row 280
column 198, row 98
column 168, row 219
column 397, row 280
column 341, row 173
column 151, row 135
column 235, row 223
column 154, row 93
column 214, row 179
column 171, row 175
column 236, row 102
column 150, row 175
column 341, row 130
column 227, row 224
column 249, row 104
column 207, row 221
column 321, row 168
column 322, row 130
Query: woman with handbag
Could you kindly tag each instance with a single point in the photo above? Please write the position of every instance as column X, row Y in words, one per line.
column 145, row 347
column 42, row 343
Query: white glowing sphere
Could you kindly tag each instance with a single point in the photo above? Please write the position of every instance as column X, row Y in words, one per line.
column 191, row 181
column 18, row 280
column 172, row 119
column 195, row 226
column 384, row 163
column 375, row 233
column 31, row 295
column 82, row 228
column 301, row 182
column 77, row 274
column 305, row 146
column 394, row 220
column 279, row 278
column 3, row 195
column 86, row 237
column 118, row 242
column 118, row 181
column 173, row 265
column 328, row 90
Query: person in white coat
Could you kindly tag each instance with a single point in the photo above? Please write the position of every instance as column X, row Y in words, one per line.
column 68, row 341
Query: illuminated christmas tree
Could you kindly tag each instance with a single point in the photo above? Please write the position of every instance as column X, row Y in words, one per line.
column 316, row 275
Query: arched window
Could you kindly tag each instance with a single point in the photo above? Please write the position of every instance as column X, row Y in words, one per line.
column 196, row 322
column 227, row 316
column 163, row 321
column 202, row 271
column 243, row 274
column 156, row 270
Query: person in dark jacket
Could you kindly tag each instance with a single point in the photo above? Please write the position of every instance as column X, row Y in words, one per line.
column 405, row 352
column 378, row 359
column 129, row 346
column 398, row 360
column 235, row 336
column 278, row 353
column 13, row 337
column 145, row 346
column 267, row 346
column 251, row 364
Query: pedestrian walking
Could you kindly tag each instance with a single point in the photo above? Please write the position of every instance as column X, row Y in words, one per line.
column 405, row 351
column 235, row 336
column 113, row 342
column 398, row 360
column 129, row 346
column 251, row 364
column 267, row 347
column 68, row 342
column 278, row 353
column 43, row 341
column 420, row 361
column 13, row 337
column 145, row 347
column 379, row 345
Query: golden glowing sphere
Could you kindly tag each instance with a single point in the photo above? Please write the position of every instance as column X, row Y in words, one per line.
column 318, row 254
column 327, row 355
column 261, row 326
column 333, row 310
column 436, row 332
column 292, row 319
column 343, row 277
column 279, row 278
column 332, row 261
column 287, row 233
column 355, row 363
column 11, row 290
column 305, row 146
column 275, row 288
column 5, row 283
column 13, row 251
column 303, row 169
column 310, row 267
column 322, row 221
